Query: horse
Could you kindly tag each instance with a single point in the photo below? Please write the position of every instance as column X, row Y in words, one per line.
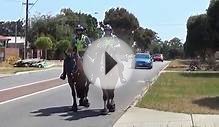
column 77, row 81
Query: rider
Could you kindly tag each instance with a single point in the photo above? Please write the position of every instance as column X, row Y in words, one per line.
column 108, row 94
column 81, row 42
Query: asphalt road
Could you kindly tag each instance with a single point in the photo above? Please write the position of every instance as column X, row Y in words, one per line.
column 51, row 108
column 22, row 79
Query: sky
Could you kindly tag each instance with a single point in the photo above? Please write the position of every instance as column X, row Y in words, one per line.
column 166, row 17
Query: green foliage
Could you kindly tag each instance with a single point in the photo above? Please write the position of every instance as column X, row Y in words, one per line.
column 61, row 27
column 144, row 37
column 8, row 28
column 63, row 45
column 213, row 18
column 43, row 43
column 198, row 36
column 122, row 22
column 170, row 49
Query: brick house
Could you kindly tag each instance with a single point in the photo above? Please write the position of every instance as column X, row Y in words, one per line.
column 5, row 50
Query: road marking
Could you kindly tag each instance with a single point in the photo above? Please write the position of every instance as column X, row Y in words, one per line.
column 25, row 96
column 29, row 84
column 34, row 71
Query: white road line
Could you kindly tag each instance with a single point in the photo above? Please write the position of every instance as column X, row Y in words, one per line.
column 25, row 96
column 29, row 84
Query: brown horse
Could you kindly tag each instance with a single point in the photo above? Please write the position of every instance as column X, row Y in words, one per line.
column 77, row 80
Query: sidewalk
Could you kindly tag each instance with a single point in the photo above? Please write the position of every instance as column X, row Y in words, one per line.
column 141, row 117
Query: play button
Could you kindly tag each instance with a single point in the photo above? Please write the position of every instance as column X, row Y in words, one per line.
column 107, row 63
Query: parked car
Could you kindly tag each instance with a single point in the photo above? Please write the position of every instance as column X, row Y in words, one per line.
column 158, row 57
column 143, row 60
column 40, row 64
column 30, row 63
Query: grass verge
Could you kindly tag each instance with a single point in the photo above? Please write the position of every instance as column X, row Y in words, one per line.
column 184, row 92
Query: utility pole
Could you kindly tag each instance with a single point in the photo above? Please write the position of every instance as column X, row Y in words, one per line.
column 26, row 29
column 26, row 26
column 15, row 44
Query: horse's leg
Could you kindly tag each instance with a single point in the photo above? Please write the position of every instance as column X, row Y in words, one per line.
column 72, row 85
column 82, row 91
column 111, row 105
column 86, row 102
column 105, row 100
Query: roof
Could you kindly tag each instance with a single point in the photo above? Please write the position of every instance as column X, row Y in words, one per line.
column 4, row 38
column 19, row 39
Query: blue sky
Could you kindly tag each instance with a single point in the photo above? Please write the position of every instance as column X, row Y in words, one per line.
column 166, row 17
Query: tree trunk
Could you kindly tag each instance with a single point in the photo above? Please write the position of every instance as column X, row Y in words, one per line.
column 46, row 54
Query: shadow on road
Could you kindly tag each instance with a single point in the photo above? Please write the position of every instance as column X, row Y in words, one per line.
column 65, row 111
column 209, row 102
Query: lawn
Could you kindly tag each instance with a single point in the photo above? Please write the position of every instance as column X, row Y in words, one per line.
column 184, row 92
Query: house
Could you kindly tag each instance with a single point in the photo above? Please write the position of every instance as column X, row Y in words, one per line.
column 5, row 50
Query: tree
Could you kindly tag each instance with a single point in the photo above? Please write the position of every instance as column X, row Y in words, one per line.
column 44, row 43
column 61, row 47
column 8, row 28
column 213, row 18
column 175, row 48
column 199, row 37
column 61, row 27
column 144, row 37
column 122, row 22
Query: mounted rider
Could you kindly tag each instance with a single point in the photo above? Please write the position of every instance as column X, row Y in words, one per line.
column 81, row 41
column 79, row 44
column 108, row 94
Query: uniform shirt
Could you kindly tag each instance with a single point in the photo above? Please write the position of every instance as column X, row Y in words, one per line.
column 81, row 43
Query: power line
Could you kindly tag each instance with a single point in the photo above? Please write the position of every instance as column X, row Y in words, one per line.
column 33, row 4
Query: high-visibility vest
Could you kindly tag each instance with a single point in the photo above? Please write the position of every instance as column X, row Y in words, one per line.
column 81, row 44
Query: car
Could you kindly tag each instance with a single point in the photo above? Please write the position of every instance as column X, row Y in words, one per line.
column 143, row 60
column 158, row 57
column 23, row 63
column 40, row 64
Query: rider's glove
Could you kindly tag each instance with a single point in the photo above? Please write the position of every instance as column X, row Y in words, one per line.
column 63, row 77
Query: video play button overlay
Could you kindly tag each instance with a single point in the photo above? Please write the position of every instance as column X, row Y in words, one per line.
column 110, row 63
column 107, row 63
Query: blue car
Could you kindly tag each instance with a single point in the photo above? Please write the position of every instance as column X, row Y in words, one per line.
column 143, row 60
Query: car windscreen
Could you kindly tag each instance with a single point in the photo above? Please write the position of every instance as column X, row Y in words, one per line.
column 145, row 56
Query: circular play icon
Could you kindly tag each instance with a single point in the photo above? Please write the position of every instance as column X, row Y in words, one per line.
column 107, row 63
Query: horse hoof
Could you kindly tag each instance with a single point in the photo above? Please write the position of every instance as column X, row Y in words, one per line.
column 84, row 103
column 112, row 109
column 104, row 111
column 111, row 106
column 74, row 109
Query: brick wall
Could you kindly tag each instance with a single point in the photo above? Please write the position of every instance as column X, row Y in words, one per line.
column 11, row 52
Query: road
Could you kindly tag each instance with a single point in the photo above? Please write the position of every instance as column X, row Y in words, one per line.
column 51, row 108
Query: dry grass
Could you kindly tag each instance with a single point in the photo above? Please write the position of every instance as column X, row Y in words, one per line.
column 6, row 68
column 178, row 65
column 187, row 93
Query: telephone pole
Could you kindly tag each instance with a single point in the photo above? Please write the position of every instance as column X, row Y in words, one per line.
column 26, row 29
column 26, row 26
